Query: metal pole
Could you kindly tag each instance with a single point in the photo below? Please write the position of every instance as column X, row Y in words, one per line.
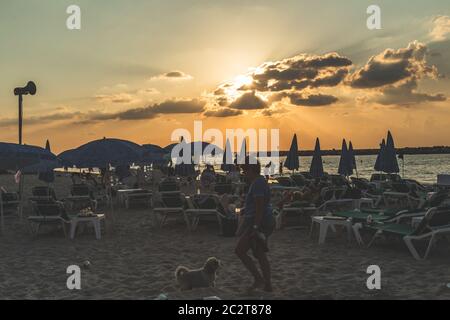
column 20, row 118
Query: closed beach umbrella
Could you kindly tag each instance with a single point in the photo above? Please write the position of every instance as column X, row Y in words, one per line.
column 47, row 146
column 352, row 157
column 390, row 163
column 316, row 169
column 380, row 157
column 227, row 160
column 240, row 157
column 292, row 162
column 101, row 153
column 183, row 169
column 345, row 167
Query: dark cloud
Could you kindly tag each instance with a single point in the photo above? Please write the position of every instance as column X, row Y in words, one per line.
column 301, row 72
column 248, row 101
column 396, row 75
column 150, row 112
column 393, row 66
column 223, row 113
column 306, row 100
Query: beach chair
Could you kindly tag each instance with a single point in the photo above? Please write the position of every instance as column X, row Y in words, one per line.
column 81, row 197
column 169, row 185
column 285, row 182
column 42, row 193
column 10, row 202
column 435, row 223
column 204, row 206
column 49, row 213
column 171, row 204
column 297, row 208
column 223, row 188
column 138, row 197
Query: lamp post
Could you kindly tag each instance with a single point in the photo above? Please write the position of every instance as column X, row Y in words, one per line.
column 30, row 89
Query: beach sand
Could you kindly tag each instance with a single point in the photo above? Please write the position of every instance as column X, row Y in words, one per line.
column 134, row 260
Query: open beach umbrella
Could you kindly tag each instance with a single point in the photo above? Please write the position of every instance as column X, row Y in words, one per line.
column 390, row 163
column 14, row 156
column 345, row 166
column 316, row 169
column 380, row 157
column 292, row 162
column 352, row 157
column 153, row 154
column 227, row 160
column 103, row 152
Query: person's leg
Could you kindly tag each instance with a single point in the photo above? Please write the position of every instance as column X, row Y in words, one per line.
column 241, row 250
column 264, row 263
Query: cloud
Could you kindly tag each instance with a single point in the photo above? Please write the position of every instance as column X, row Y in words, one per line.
column 173, row 75
column 150, row 112
column 395, row 74
column 125, row 96
column 57, row 116
column 299, row 78
column 222, row 113
column 300, row 72
column 406, row 94
column 307, row 100
column 441, row 28
column 392, row 66
column 248, row 101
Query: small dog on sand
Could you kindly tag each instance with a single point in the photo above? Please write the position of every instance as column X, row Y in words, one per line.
column 199, row 278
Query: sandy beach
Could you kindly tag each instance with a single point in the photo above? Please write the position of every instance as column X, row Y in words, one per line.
column 135, row 260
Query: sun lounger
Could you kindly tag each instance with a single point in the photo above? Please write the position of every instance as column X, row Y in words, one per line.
column 48, row 213
column 203, row 207
column 42, row 193
column 138, row 197
column 435, row 223
column 81, row 197
column 10, row 202
column 171, row 204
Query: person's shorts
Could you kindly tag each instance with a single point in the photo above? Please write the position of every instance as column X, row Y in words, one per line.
column 267, row 226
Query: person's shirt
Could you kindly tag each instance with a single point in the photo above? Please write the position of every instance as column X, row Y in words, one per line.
column 259, row 188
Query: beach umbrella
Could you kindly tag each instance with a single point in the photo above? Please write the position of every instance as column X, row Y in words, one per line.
column 345, row 167
column 390, row 163
column 14, row 156
column 240, row 157
column 316, row 169
column 352, row 157
column 153, row 154
column 227, row 160
column 104, row 152
column 380, row 157
column 47, row 146
column 292, row 162
column 183, row 169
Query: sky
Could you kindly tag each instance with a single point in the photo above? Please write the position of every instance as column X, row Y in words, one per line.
column 139, row 70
